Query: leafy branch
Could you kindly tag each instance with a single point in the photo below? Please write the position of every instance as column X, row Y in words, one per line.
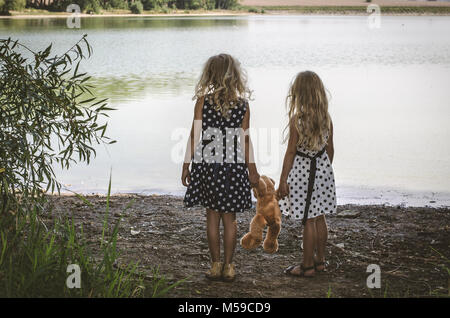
column 48, row 115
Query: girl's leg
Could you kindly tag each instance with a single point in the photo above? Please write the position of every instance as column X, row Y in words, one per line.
column 229, row 236
column 213, row 234
column 309, row 244
column 322, row 237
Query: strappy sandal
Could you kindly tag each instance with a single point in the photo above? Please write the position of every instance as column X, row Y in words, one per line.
column 317, row 264
column 288, row 271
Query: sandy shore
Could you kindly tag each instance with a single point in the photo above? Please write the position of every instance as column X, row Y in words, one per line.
column 349, row 3
column 160, row 231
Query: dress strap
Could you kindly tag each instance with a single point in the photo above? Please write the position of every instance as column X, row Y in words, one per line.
column 312, row 178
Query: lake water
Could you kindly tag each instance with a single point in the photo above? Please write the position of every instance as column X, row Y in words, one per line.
column 389, row 86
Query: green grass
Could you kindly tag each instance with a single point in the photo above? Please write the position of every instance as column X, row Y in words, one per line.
column 34, row 260
column 329, row 294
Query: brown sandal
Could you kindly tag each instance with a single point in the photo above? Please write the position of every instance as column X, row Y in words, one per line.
column 228, row 273
column 317, row 264
column 215, row 272
column 288, row 271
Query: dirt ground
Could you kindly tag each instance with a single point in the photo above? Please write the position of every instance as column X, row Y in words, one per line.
column 411, row 246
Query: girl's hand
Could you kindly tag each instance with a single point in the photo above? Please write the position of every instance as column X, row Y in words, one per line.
column 253, row 177
column 283, row 189
column 186, row 176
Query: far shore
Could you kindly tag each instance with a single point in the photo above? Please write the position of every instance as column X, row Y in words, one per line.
column 19, row 15
column 245, row 11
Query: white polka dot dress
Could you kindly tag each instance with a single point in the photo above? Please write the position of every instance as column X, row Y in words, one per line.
column 219, row 177
column 311, row 186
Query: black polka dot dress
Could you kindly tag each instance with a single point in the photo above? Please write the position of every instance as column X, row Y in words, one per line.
column 219, row 177
column 310, row 195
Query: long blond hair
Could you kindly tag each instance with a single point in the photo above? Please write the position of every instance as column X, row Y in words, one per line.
column 307, row 105
column 224, row 80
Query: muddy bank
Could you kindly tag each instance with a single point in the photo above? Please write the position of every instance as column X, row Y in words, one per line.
column 159, row 231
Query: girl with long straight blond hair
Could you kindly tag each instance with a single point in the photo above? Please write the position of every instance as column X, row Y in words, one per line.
column 223, row 169
column 307, row 186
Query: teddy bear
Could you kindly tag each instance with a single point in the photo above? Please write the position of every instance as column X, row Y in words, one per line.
column 267, row 213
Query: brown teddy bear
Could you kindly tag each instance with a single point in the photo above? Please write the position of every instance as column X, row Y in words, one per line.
column 267, row 213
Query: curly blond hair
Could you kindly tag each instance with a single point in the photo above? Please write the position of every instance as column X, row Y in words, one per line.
column 224, row 81
column 307, row 105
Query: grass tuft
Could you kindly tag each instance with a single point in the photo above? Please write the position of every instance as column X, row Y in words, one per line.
column 34, row 259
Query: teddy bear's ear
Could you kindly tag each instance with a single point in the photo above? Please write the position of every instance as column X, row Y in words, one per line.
column 272, row 181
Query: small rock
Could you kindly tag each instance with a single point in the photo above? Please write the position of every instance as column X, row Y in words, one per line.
column 348, row 214
column 135, row 232
column 341, row 245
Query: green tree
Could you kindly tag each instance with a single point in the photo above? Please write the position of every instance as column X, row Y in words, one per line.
column 85, row 5
column 137, row 7
column 15, row 5
column 226, row 4
column 2, row 6
column 91, row 6
column 154, row 4
column 48, row 116
column 118, row 4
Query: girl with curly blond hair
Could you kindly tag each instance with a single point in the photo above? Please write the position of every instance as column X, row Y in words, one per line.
column 219, row 148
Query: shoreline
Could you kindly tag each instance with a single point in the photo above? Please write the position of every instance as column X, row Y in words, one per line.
column 251, row 11
column 347, row 195
column 159, row 230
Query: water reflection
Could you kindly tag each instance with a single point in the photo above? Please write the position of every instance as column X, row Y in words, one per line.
column 133, row 87
column 389, row 88
column 92, row 23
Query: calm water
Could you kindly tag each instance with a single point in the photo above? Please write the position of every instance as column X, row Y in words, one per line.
column 390, row 97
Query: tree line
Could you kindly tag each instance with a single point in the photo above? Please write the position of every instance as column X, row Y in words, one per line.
column 98, row 5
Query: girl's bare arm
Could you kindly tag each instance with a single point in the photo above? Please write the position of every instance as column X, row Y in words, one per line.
column 330, row 145
column 193, row 140
column 288, row 160
column 249, row 154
